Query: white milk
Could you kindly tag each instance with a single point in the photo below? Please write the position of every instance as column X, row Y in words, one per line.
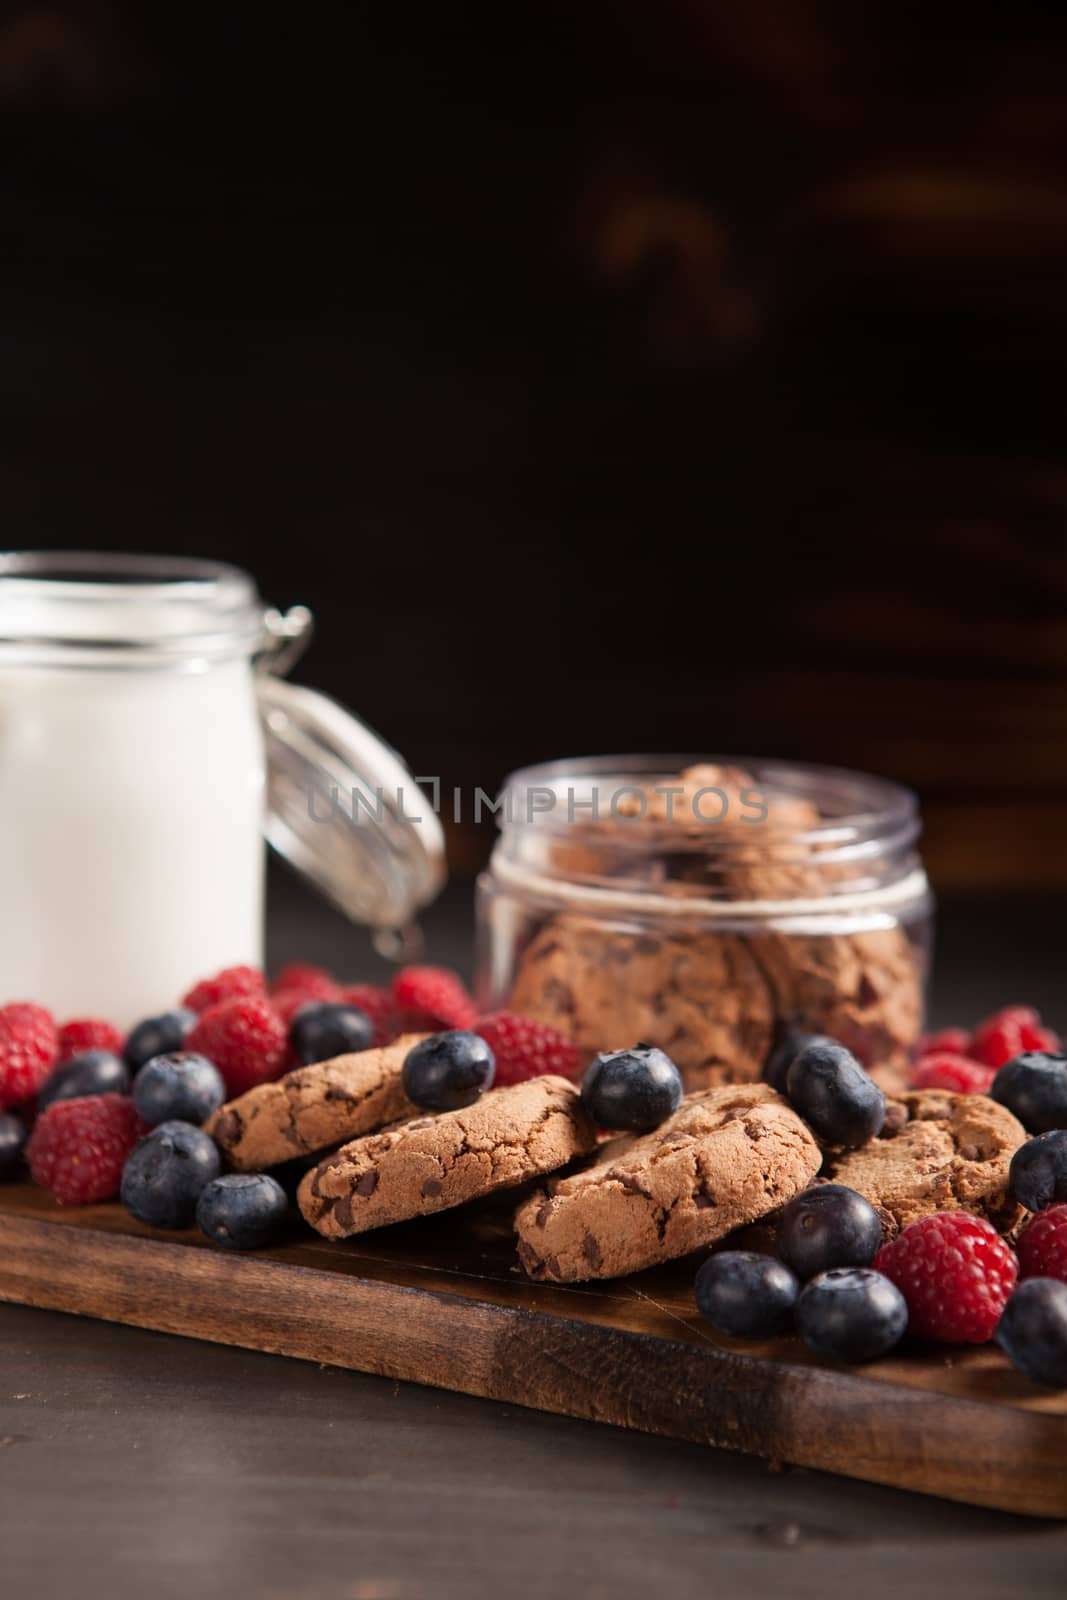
column 131, row 805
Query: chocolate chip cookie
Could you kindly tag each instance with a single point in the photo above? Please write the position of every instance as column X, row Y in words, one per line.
column 938, row 1151
column 727, row 1157
column 700, row 997
column 863, row 989
column 314, row 1108
column 431, row 1163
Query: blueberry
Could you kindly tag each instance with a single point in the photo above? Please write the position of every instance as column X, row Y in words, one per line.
column 165, row 1173
column 1032, row 1331
column 178, row 1088
column 13, row 1136
column 1037, row 1176
column 830, row 1089
column 830, row 1226
column 1034, row 1088
column 746, row 1295
column 634, row 1090
column 158, row 1036
column 242, row 1211
column 784, row 1052
column 91, row 1072
column 851, row 1314
column 323, row 1030
column 448, row 1070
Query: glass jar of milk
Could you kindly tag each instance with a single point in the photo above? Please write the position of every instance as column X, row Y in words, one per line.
column 146, row 746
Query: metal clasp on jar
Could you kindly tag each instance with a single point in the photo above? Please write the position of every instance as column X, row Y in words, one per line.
column 286, row 635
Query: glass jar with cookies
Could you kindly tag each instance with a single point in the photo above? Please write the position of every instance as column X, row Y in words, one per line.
column 718, row 908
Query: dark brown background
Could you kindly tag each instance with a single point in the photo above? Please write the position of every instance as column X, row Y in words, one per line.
column 641, row 375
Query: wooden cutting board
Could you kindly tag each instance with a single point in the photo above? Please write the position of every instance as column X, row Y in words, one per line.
column 442, row 1302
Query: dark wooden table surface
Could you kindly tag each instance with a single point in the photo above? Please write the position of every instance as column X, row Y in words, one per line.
column 136, row 1464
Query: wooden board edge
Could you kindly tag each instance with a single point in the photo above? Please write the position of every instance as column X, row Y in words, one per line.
column 810, row 1416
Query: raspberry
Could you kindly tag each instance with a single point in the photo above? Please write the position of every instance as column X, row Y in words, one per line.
column 1010, row 1032
column 526, row 1049
column 232, row 983
column 377, row 1004
column 955, row 1272
column 287, row 1002
column 28, row 1044
column 942, row 1069
column 78, row 1148
column 957, row 1041
column 88, row 1033
column 1043, row 1245
column 315, row 983
column 245, row 1038
column 430, row 998
column 1044, row 1040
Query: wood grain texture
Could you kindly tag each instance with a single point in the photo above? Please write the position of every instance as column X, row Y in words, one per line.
column 440, row 1302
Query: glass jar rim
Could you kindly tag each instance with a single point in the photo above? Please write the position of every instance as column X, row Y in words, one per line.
column 867, row 807
column 848, row 848
column 86, row 608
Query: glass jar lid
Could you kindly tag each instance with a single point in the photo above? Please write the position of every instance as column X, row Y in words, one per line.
column 342, row 808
